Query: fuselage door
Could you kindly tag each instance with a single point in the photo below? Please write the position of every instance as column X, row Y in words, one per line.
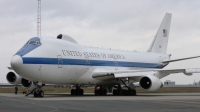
column 87, row 62
column 60, row 62
column 116, row 64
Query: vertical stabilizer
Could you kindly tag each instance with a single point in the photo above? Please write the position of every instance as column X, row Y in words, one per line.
column 159, row 44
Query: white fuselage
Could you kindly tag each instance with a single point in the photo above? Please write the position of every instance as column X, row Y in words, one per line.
column 58, row 61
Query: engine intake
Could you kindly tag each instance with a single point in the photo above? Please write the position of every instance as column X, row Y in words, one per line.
column 145, row 83
column 150, row 83
column 28, row 84
column 13, row 78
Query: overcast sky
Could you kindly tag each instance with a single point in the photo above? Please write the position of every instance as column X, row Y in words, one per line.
column 118, row 24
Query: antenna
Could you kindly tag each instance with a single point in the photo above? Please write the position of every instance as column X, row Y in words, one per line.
column 39, row 19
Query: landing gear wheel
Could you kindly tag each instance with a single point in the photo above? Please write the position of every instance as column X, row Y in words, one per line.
column 122, row 92
column 134, row 93
column 114, row 92
column 81, row 92
column 77, row 92
column 104, row 92
column 96, row 92
column 72, row 92
column 35, row 94
column 41, row 93
column 130, row 92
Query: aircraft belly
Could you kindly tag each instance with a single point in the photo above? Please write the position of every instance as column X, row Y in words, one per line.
column 65, row 75
column 87, row 78
column 32, row 74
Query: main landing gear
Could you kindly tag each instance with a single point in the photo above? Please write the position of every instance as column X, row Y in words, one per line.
column 100, row 91
column 77, row 91
column 120, row 91
column 129, row 92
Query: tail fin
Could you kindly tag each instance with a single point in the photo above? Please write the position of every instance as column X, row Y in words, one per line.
column 159, row 44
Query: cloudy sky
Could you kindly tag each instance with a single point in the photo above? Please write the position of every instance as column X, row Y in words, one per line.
column 118, row 24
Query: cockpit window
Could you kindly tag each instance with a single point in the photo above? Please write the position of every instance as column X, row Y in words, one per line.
column 27, row 42
column 34, row 42
column 39, row 43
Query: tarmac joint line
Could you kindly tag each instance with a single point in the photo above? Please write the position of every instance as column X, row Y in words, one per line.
column 186, row 102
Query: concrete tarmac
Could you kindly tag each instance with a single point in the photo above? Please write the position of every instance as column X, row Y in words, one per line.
column 143, row 102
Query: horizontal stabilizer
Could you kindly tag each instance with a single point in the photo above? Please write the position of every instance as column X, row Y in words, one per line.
column 180, row 59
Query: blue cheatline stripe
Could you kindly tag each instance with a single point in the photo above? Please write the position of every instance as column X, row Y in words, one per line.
column 54, row 61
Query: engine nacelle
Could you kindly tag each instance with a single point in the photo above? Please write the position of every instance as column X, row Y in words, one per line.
column 28, row 84
column 13, row 78
column 150, row 83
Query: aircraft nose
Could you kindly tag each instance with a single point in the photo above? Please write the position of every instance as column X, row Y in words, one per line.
column 16, row 62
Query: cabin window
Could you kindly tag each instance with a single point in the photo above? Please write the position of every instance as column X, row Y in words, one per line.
column 39, row 43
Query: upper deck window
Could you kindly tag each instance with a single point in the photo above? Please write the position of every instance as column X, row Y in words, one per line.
column 34, row 42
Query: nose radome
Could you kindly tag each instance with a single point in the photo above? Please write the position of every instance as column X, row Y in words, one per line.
column 16, row 62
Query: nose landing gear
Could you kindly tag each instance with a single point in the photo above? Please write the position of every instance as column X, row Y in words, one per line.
column 37, row 90
column 38, row 93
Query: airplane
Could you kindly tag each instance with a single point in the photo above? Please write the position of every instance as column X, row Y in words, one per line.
column 62, row 60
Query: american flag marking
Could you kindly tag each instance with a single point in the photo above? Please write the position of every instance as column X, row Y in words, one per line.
column 164, row 33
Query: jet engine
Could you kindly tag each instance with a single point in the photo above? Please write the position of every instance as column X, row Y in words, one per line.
column 150, row 83
column 28, row 84
column 13, row 78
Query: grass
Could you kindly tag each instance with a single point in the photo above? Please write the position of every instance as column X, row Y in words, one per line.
column 91, row 90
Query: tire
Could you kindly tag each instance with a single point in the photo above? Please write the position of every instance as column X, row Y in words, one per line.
column 35, row 94
column 101, row 92
column 81, row 92
column 134, row 93
column 114, row 92
column 72, row 92
column 104, row 92
column 125, row 92
column 41, row 93
column 122, row 92
column 118, row 92
column 77, row 92
column 97, row 92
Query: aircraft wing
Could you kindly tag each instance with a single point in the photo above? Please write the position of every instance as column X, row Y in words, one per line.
column 135, row 73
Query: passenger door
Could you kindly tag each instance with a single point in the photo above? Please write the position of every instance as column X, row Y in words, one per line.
column 116, row 64
column 60, row 62
column 87, row 62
